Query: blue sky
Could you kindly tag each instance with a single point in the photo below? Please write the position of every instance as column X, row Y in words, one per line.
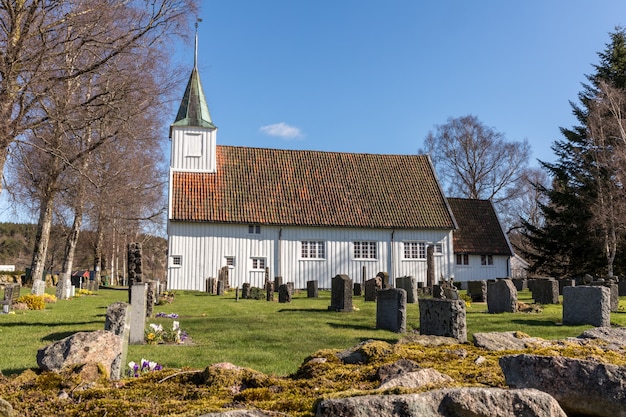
column 376, row 76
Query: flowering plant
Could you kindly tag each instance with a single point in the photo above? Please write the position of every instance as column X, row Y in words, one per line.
column 156, row 333
column 167, row 316
column 145, row 366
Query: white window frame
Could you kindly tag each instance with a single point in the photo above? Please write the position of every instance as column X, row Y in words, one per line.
column 365, row 250
column 230, row 261
column 258, row 263
column 486, row 260
column 254, row 229
column 312, row 249
column 438, row 248
column 176, row 261
column 414, row 250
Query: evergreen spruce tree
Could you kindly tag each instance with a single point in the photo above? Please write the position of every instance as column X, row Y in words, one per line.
column 571, row 241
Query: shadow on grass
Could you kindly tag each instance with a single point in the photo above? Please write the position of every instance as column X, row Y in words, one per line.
column 17, row 371
column 350, row 326
column 54, row 337
column 305, row 310
column 65, row 324
column 543, row 323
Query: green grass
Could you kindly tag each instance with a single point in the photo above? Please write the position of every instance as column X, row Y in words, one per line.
column 267, row 336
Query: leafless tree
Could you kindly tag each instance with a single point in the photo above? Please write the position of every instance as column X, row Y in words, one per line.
column 476, row 161
column 35, row 36
column 607, row 153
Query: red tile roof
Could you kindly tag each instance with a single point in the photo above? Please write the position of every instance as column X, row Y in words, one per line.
column 312, row 188
column 479, row 232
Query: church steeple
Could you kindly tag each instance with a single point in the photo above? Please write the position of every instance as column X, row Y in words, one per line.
column 194, row 110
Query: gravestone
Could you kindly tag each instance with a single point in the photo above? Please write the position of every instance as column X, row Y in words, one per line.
column 291, row 287
column 437, row 292
column 409, row 284
column 211, row 285
column 39, row 287
column 245, row 290
column 135, row 272
column 391, row 310
column 521, row 284
column 501, row 296
column 357, row 289
column 284, row 295
column 546, row 291
column 138, row 299
column 614, row 294
column 443, row 317
column 220, row 287
column 311, row 289
column 269, row 291
column 64, row 287
column 587, row 305
column 371, row 288
column 566, row 282
column 278, row 281
column 477, row 290
column 621, row 287
column 224, row 279
column 151, row 297
column 341, row 294
column 384, row 277
column 117, row 321
column 430, row 266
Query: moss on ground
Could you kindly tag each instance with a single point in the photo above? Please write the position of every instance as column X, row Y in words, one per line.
column 192, row 392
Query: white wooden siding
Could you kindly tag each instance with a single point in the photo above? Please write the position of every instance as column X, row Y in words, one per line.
column 476, row 271
column 204, row 248
column 180, row 158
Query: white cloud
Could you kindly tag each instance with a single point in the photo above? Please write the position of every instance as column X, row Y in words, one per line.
column 282, row 130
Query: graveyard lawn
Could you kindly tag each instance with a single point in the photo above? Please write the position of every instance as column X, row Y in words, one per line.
column 270, row 337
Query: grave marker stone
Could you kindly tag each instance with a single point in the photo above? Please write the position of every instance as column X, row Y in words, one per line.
column 220, row 287
column 546, row 291
column 371, row 288
column 211, row 285
column 311, row 289
column 477, row 290
column 587, row 305
column 269, row 291
column 151, row 297
column 284, row 295
column 245, row 290
column 430, row 266
column 278, row 281
column 409, row 284
column 138, row 299
column 341, row 294
column 501, row 296
column 357, row 289
column 117, row 321
column 614, row 294
column 384, row 277
column 443, row 317
column 391, row 310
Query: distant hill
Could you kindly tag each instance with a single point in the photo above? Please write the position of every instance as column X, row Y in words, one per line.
column 17, row 241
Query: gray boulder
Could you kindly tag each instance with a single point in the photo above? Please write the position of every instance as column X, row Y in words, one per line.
column 238, row 413
column 6, row 410
column 394, row 370
column 497, row 341
column 454, row 402
column 100, row 346
column 581, row 387
column 417, row 379
column 614, row 337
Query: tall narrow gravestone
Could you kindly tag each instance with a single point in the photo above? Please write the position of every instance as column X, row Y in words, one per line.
column 117, row 321
column 501, row 296
column 311, row 289
column 391, row 310
column 341, row 294
column 371, row 288
column 138, row 296
column 441, row 317
column 409, row 284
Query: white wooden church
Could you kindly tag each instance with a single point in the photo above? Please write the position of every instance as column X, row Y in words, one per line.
column 305, row 215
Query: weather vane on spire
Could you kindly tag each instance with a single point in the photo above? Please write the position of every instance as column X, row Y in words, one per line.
column 195, row 56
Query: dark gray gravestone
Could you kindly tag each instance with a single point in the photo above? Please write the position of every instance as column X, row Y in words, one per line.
column 501, row 296
column 245, row 290
column 311, row 289
column 408, row 284
column 284, row 295
column 477, row 290
column 614, row 297
column 430, row 266
column 546, row 291
column 521, row 284
column 371, row 287
column 391, row 310
column 223, row 277
column 441, row 317
column 211, row 285
column 135, row 273
column 291, row 287
column 587, row 305
column 566, row 282
column 357, row 289
column 341, row 294
column 621, row 287
column 269, row 291
column 151, row 297
column 278, row 281
column 220, row 287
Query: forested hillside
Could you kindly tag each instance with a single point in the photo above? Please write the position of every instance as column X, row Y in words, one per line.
column 17, row 240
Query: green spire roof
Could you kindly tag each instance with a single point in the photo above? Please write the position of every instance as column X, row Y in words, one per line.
column 194, row 110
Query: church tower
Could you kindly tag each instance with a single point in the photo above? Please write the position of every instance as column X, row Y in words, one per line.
column 193, row 134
